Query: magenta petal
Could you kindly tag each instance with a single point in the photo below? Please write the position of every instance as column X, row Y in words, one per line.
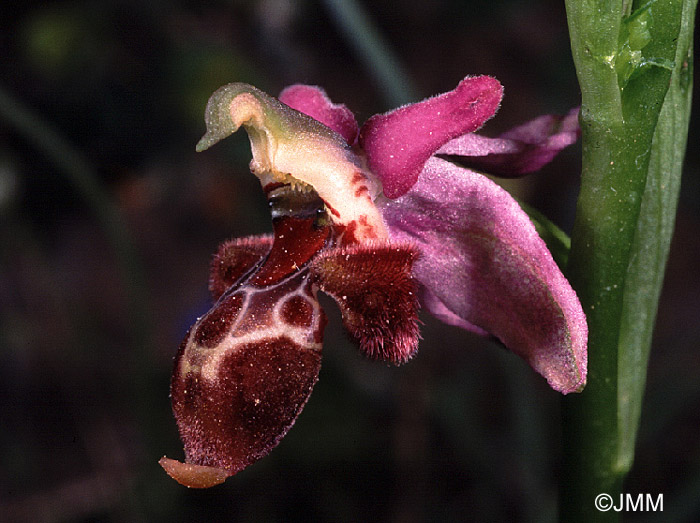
column 521, row 150
column 483, row 262
column 398, row 143
column 314, row 102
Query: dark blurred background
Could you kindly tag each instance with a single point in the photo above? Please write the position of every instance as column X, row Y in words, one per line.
column 108, row 219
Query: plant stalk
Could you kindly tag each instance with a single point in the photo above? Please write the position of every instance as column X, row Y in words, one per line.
column 634, row 128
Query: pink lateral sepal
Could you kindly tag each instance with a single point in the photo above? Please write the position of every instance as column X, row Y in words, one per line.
column 482, row 259
column 377, row 295
column 445, row 315
column 398, row 143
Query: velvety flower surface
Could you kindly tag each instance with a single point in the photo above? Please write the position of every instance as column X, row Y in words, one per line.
column 483, row 261
column 381, row 218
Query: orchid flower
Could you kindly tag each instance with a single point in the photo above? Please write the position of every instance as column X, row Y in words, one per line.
column 382, row 219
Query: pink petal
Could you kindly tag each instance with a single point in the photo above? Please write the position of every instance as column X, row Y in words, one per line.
column 521, row 150
column 398, row 143
column 314, row 102
column 485, row 264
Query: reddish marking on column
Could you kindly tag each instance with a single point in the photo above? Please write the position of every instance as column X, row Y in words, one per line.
column 362, row 189
column 333, row 211
column 347, row 233
column 369, row 231
column 357, row 177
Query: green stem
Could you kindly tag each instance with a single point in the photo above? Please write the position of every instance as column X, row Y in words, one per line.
column 633, row 145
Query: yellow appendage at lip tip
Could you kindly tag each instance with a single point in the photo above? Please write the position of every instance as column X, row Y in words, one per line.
column 193, row 476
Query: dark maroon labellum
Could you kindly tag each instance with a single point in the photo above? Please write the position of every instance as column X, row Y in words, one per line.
column 247, row 367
